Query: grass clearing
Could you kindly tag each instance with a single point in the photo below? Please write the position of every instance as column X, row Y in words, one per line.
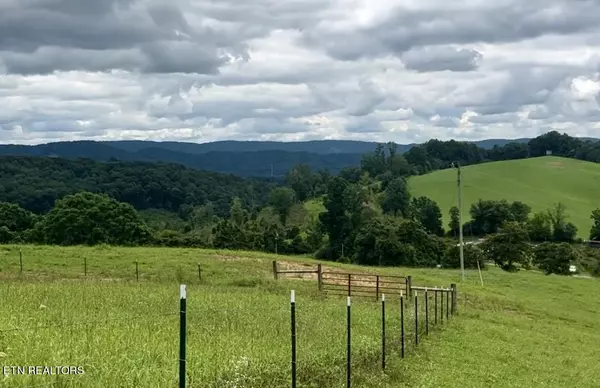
column 539, row 182
column 520, row 330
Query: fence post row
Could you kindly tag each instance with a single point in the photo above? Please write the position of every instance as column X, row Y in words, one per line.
column 182, row 334
column 293, row 319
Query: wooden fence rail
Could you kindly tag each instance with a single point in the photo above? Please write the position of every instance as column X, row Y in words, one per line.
column 353, row 284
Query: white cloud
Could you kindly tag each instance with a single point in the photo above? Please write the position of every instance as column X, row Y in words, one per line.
column 402, row 71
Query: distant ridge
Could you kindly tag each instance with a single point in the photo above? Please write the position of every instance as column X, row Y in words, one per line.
column 242, row 158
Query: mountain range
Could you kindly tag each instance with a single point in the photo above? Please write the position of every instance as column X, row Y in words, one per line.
column 242, row 158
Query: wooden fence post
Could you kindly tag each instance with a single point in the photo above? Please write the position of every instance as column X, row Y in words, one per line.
column 275, row 269
column 453, row 286
column 409, row 286
column 349, row 287
column 320, row 276
column 377, row 289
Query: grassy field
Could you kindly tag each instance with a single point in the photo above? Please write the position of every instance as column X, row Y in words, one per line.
column 520, row 330
column 539, row 182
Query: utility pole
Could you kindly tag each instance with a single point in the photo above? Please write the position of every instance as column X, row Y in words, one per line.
column 460, row 226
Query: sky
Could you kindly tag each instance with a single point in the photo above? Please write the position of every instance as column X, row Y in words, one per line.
column 292, row 70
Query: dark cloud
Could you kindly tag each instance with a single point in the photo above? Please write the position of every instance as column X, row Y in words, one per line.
column 468, row 23
column 44, row 36
column 271, row 69
column 428, row 59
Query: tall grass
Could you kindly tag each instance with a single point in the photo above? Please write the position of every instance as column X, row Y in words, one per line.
column 519, row 330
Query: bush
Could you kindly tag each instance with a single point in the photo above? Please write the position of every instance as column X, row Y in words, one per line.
column 555, row 258
column 589, row 260
column 472, row 255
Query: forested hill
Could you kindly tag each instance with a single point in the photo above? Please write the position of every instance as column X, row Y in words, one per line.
column 248, row 163
column 36, row 182
column 242, row 158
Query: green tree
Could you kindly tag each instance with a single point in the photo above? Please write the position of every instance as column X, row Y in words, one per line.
column 15, row 218
column 539, row 227
column 87, row 218
column 392, row 241
column 237, row 213
column 374, row 162
column 282, row 199
column 454, row 223
column 201, row 216
column 302, row 181
column 595, row 231
column 555, row 258
column 396, row 198
column 508, row 247
column 472, row 255
column 520, row 211
column 561, row 229
column 427, row 212
column 335, row 220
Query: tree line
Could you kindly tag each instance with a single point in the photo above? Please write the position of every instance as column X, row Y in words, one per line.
column 369, row 222
column 435, row 154
column 367, row 216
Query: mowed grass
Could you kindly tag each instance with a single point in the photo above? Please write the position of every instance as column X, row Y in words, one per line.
column 520, row 330
column 539, row 182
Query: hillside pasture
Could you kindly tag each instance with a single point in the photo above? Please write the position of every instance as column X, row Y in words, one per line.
column 539, row 182
column 519, row 330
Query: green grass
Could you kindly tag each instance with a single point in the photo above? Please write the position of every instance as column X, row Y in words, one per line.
column 520, row 330
column 539, row 182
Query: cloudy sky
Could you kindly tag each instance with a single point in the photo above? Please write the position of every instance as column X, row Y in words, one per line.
column 380, row 70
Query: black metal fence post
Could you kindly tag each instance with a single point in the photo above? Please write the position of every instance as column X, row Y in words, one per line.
column 182, row 334
column 416, row 319
column 426, row 313
column 293, row 312
column 402, row 323
column 349, row 342
column 383, row 331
